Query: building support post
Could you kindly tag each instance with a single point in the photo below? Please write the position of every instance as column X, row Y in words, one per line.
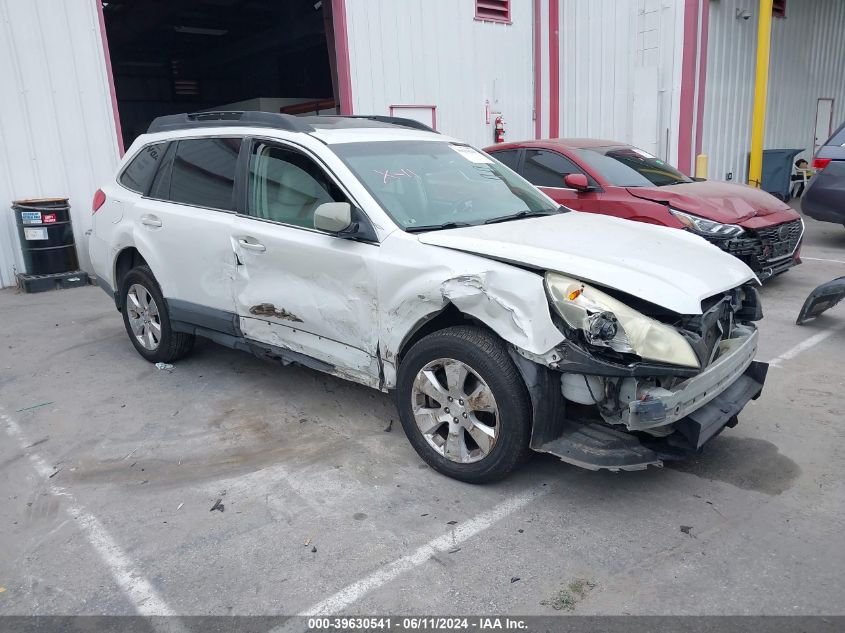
column 761, row 87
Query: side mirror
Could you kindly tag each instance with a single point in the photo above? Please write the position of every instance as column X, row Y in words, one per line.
column 333, row 217
column 578, row 182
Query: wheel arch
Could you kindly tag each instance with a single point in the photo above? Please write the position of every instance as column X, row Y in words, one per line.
column 448, row 316
column 542, row 384
column 127, row 259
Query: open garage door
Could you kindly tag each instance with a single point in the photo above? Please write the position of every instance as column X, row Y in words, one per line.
column 172, row 56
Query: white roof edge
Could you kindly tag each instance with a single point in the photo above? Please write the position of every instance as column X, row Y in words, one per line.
column 327, row 135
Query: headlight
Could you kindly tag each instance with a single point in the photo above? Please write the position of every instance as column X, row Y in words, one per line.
column 607, row 322
column 707, row 228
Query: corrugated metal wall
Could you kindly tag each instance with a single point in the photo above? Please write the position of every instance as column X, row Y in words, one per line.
column 434, row 52
column 57, row 131
column 620, row 63
column 807, row 63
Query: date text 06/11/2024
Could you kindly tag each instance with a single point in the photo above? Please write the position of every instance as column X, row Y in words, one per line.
column 418, row 623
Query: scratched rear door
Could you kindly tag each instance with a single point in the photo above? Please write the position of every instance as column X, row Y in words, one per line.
column 297, row 288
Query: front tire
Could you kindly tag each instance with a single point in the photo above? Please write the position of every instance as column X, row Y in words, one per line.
column 147, row 320
column 464, row 405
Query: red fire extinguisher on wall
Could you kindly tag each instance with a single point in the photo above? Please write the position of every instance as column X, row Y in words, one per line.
column 499, row 129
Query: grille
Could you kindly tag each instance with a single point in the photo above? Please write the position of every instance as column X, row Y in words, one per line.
column 765, row 248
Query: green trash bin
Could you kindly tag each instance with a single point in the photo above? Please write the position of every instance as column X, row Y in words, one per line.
column 777, row 172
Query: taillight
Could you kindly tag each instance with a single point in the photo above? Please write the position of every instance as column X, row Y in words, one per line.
column 99, row 200
column 820, row 163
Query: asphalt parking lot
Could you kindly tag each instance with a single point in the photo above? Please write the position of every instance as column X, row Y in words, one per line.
column 107, row 488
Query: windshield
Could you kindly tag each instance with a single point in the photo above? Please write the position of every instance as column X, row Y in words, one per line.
column 627, row 166
column 436, row 184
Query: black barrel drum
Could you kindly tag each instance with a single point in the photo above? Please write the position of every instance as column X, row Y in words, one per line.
column 46, row 235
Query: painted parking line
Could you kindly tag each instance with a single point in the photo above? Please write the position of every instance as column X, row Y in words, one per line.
column 461, row 533
column 819, row 259
column 804, row 345
column 137, row 589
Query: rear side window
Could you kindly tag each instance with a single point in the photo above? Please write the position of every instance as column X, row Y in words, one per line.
column 139, row 172
column 838, row 137
column 286, row 186
column 160, row 189
column 547, row 169
column 509, row 157
column 203, row 172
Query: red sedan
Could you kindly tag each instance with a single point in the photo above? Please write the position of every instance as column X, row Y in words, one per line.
column 613, row 178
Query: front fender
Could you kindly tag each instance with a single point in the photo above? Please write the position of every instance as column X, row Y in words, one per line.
column 417, row 281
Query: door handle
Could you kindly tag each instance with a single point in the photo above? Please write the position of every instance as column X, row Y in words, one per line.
column 150, row 220
column 251, row 244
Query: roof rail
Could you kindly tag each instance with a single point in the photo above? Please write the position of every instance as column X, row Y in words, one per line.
column 395, row 120
column 228, row 119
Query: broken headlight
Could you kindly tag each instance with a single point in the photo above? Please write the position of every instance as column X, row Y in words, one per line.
column 607, row 322
column 706, row 228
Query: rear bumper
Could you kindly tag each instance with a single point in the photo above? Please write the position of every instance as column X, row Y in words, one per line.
column 825, row 215
column 102, row 283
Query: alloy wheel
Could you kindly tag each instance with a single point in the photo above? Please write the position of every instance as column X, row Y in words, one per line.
column 144, row 317
column 455, row 410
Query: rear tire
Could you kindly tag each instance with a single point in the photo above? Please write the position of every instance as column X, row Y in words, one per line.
column 463, row 404
column 147, row 320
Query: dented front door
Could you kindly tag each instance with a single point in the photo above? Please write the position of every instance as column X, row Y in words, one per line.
column 298, row 289
column 310, row 293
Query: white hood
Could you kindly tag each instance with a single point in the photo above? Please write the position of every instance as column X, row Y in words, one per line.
column 668, row 267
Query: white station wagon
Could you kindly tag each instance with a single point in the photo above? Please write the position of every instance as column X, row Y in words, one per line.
column 379, row 251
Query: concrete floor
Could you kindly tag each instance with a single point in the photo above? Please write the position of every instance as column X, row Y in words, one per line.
column 106, row 491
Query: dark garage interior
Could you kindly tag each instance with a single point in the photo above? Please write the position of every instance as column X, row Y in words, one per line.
column 172, row 56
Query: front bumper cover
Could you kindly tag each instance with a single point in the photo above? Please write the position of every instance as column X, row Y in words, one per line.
column 659, row 407
column 597, row 445
column 600, row 446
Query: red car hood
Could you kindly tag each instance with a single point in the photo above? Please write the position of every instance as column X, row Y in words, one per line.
column 721, row 202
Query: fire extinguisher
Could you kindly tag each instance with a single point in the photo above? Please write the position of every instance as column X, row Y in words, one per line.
column 499, row 130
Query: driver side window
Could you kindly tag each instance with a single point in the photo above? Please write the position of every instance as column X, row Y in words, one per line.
column 286, row 186
column 547, row 169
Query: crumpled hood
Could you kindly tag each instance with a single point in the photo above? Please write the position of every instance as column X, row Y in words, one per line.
column 720, row 201
column 665, row 266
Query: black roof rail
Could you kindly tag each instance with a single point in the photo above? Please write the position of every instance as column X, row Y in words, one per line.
column 228, row 119
column 394, row 120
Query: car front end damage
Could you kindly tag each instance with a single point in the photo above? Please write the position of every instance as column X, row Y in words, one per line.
column 766, row 250
column 630, row 387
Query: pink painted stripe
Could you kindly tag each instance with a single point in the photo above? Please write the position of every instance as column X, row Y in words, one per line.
column 115, row 111
column 341, row 47
column 702, row 75
column 538, row 47
column 685, row 123
column 554, row 69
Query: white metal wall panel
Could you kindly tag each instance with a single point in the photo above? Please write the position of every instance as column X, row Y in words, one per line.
column 620, row 71
column 807, row 63
column 434, row 52
column 57, row 132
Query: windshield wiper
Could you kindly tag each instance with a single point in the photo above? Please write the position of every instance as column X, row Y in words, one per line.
column 436, row 227
column 522, row 214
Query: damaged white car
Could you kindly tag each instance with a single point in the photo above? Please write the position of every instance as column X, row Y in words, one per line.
column 382, row 252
